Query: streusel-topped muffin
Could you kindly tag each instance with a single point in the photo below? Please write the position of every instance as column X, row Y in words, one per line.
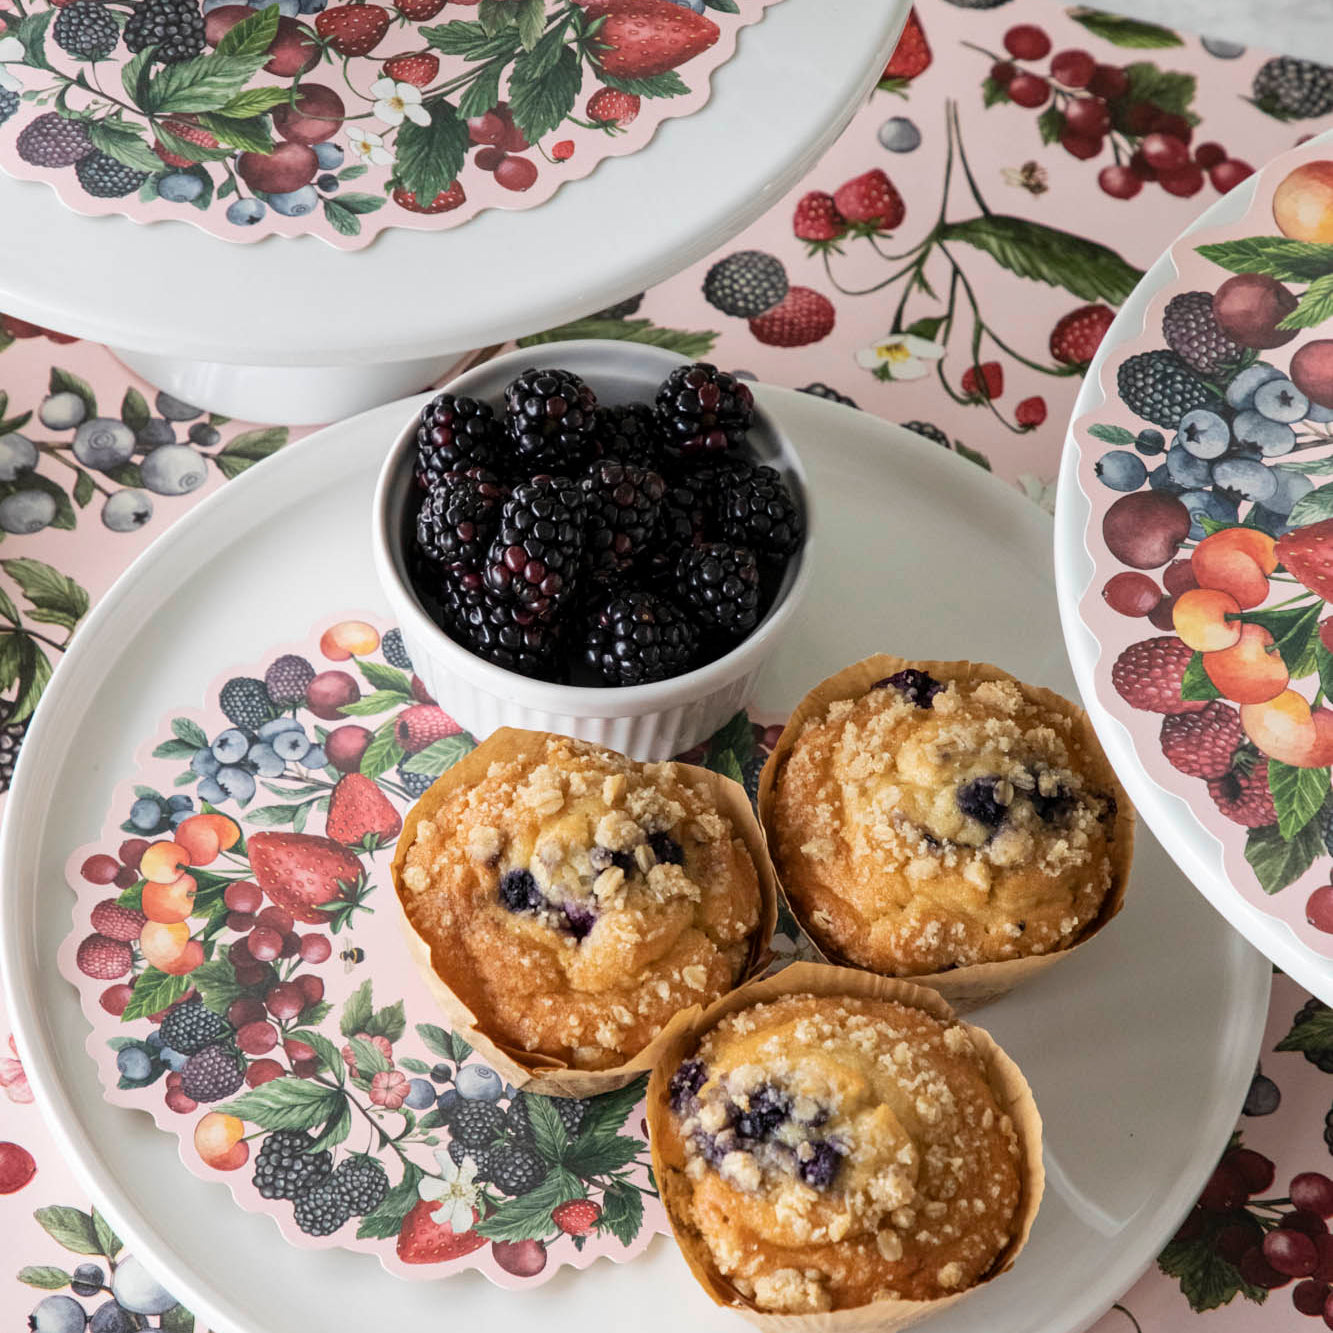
column 575, row 900
column 942, row 816
column 823, row 1152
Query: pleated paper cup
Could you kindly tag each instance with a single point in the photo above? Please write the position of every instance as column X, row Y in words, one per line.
column 542, row 1073
column 1005, row 1078
column 968, row 986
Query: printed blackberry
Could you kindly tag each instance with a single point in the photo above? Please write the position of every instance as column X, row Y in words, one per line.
column 212, row 1074
column 506, row 635
column 929, row 431
column 750, row 772
column 629, row 434
column 1322, row 1058
column 720, row 584
column 285, row 1166
column 761, row 513
column 1292, row 89
column 174, row 28
column 105, row 178
column 363, row 1182
column 746, row 283
column 481, row 1157
column 475, row 1123
column 821, row 390
column 516, row 1170
column 414, row 784
column 459, row 517
column 622, row 309
column 1159, row 387
column 287, row 680
column 190, row 1027
column 53, row 141
column 1326, row 828
column 535, row 556
column 9, row 103
column 455, row 434
column 623, row 503
column 86, row 30
column 634, row 637
column 571, row 1111
column 11, row 742
column 518, row 1122
column 395, row 654
column 1195, row 336
column 246, row 703
column 550, row 421
column 321, row 1209
column 704, row 411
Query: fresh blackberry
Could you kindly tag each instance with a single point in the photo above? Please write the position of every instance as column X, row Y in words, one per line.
column 750, row 772
column 86, row 30
column 720, row 584
column 395, row 654
column 11, row 742
column 103, row 177
column 746, row 283
column 458, row 518
column 571, row 1111
column 246, row 703
column 704, row 411
column 1292, row 89
column 535, row 556
column 475, row 1123
column 9, row 103
column 550, row 421
column 285, row 1166
column 190, row 1027
column 454, row 434
column 174, row 28
column 321, row 1209
column 414, row 784
column 929, row 431
column 1159, row 387
column 1323, row 1058
column 821, row 390
column 623, row 503
column 481, row 1157
column 629, row 434
column 363, row 1182
column 682, row 522
column 515, row 1169
column 634, row 637
column 1192, row 332
column 506, row 635
column 287, row 680
column 761, row 513
column 212, row 1074
column 53, row 141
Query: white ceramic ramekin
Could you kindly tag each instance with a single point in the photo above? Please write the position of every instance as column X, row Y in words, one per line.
column 646, row 722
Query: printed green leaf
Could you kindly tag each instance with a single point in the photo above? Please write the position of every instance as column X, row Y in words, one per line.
column 69, row 1227
column 389, row 1022
column 1278, row 861
column 413, row 1065
column 83, row 488
column 286, row 1103
column 669, row 84
column 1295, row 631
column 548, row 1130
column 245, row 450
column 528, row 1217
column 1112, row 434
column 1323, row 662
column 482, row 93
column 9, row 612
column 377, row 702
column 65, row 381
column 27, row 664
column 342, row 220
column 608, row 1112
column 361, row 203
column 387, row 1219
column 330, row 1057
column 530, row 19
column 439, row 756
column 602, row 1152
column 32, row 34
column 106, row 1237
column 469, row 40
column 249, row 135
column 724, row 6
column 125, row 144
column 1207, row 1281
column 357, row 1010
column 993, row 92
column 461, row 1048
column 251, row 38
column 190, row 732
column 1314, row 307
column 622, row 1211
column 1298, row 795
column 178, row 1320
column 692, row 345
column 1122, row 31
column 205, row 83
column 383, row 752
column 495, row 15
column 1051, row 124
column 1277, row 256
column 1195, row 684
column 1166, row 89
column 431, row 156
column 48, row 1279
column 253, row 102
column 215, row 980
column 384, row 677
column 55, row 599
column 436, row 1040
column 134, row 409
column 369, row 1058
column 339, row 1126
column 153, row 991
column 539, row 100
column 1312, row 1032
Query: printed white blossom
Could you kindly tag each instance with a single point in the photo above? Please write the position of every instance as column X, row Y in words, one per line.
column 394, row 101
column 1038, row 489
column 900, row 356
column 11, row 53
column 456, row 1192
column 368, row 146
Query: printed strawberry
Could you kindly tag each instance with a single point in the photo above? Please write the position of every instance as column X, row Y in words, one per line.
column 1076, row 336
column 1030, row 413
column 419, row 70
column 444, row 202
column 988, row 385
column 611, row 106
column 576, row 1217
column 563, row 150
column 185, row 129
column 418, row 10
column 423, row 1240
column 1244, row 797
column 802, row 316
column 870, row 202
column 423, row 725
column 358, row 810
column 1202, row 744
column 103, row 959
column 910, row 57
column 1308, row 555
column 641, row 38
column 818, row 221
column 109, row 918
column 1148, row 675
column 301, row 871
column 353, row 30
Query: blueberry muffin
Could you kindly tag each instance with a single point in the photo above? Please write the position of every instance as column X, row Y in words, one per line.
column 826, row 1151
column 575, row 901
column 944, row 815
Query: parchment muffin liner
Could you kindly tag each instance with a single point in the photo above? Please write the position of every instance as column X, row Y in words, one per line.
column 537, row 1072
column 1006, row 1081
column 972, row 985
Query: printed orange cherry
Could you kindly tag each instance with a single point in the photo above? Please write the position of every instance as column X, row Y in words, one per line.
column 1303, row 203
column 199, row 836
column 163, row 862
column 227, row 829
column 1250, row 671
column 1237, row 561
column 1201, row 619
column 189, row 958
column 166, row 903
column 348, row 638
column 162, row 942
column 1285, row 729
column 219, row 1140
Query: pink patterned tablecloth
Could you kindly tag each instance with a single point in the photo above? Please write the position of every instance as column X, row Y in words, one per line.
column 952, row 262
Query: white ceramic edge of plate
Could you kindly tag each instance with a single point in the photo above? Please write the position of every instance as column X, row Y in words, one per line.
column 125, row 1214
column 1196, row 851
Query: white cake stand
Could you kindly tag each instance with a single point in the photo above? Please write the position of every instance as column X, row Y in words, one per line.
column 295, row 331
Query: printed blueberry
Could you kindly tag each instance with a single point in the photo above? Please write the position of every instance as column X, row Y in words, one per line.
column 205, row 762
column 87, row 1280
column 899, row 135
column 1291, row 486
column 174, row 1060
column 103, row 443
column 180, row 802
column 210, row 790
column 57, row 1314
column 147, row 815
column 314, row 7
column 177, row 817
column 1263, row 1098
column 270, row 731
column 821, row 1167
column 478, row 1083
column 977, row 800
column 916, row 686
column 62, row 411
column 1213, row 504
column 175, row 409
column 1160, row 479
column 294, row 203
column 138, row 1291
column 1150, row 441
column 519, row 891
column 442, row 1072
column 315, row 757
column 110, row 1318
column 293, row 745
column 180, row 187
column 329, row 156
column 420, row 1094
column 446, row 1101
column 17, row 454
column 127, row 511
column 287, row 8
column 1266, row 520
column 1319, row 413
column 245, row 212
column 1249, row 479
column 153, row 434
column 237, row 783
column 1204, row 433
column 175, row 469
column 327, row 183
column 1185, row 468
column 230, row 746
column 1221, row 48
column 1281, row 400
column 1240, row 392
column 204, row 435
column 1271, row 438
column 1121, row 470
column 266, row 760
column 134, row 1063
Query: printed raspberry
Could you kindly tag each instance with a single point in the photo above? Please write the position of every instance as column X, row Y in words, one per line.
column 630, row 435
column 415, row 784
column 1292, row 89
column 818, row 221
column 285, row 1166
column 422, row 725
column 516, row 1170
column 1202, row 744
column 1192, row 332
column 458, row 518
column 287, row 680
column 623, row 504
column 983, row 383
column 212, row 1074
column 380, row 1043
column 453, row 435
column 364, row 1184
column 103, row 959
column 576, row 1217
column 745, row 283
column 103, row 177
column 803, row 316
column 759, row 511
column 173, row 28
column 1148, row 675
column 476, row 1124
column 703, row 411
column 1159, row 387
column 720, row 584
column 633, row 637
column 1245, row 797
column 870, row 202
column 53, row 141
column 612, row 106
column 322, row 1209
column 183, row 128
column 189, row 1027
column 395, row 654
column 86, row 30
column 245, row 702
column 109, row 918
column 535, row 556
column 1077, row 335
column 912, row 54
column 549, row 421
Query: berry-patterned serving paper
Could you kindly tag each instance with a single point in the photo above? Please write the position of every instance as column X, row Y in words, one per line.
column 339, row 119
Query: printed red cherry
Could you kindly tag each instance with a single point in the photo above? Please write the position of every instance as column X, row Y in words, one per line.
column 1109, row 81
column 1029, row 90
column 1184, row 183
column 243, row 896
column 115, row 999
column 100, row 868
column 257, row 1038
column 1209, row 154
column 1003, row 72
column 263, row 1071
column 1131, row 594
column 17, row 1167
column 315, row 948
column 1319, row 909
column 1309, row 1296
column 1145, row 529
column 241, row 922
column 293, row 51
column 1087, row 115
column 288, row 167
column 1026, row 41
column 1073, row 68
column 1313, row 1191
column 310, row 986
column 1227, row 175
column 1081, row 146
column 131, row 851
column 1254, row 1268
column 317, row 115
column 246, row 1009
column 1306, row 1221
column 1139, row 117
column 1164, row 152
column 1290, row 1253
column 345, row 745
column 1162, row 616
column 1255, row 1170
column 1224, row 1191
column 522, row 1258
column 1233, row 1242
column 1324, row 1245
column 1138, row 164
column 284, row 1001
column 276, row 918
column 489, row 127
column 1167, row 122
column 1119, row 182
column 1178, row 577
column 265, row 944
column 516, row 173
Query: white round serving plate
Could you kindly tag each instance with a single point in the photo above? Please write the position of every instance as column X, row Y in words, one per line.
column 1139, row 1052
column 1193, row 848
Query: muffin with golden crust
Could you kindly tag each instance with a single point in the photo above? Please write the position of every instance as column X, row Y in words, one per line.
column 944, row 815
column 575, row 901
column 823, row 1151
